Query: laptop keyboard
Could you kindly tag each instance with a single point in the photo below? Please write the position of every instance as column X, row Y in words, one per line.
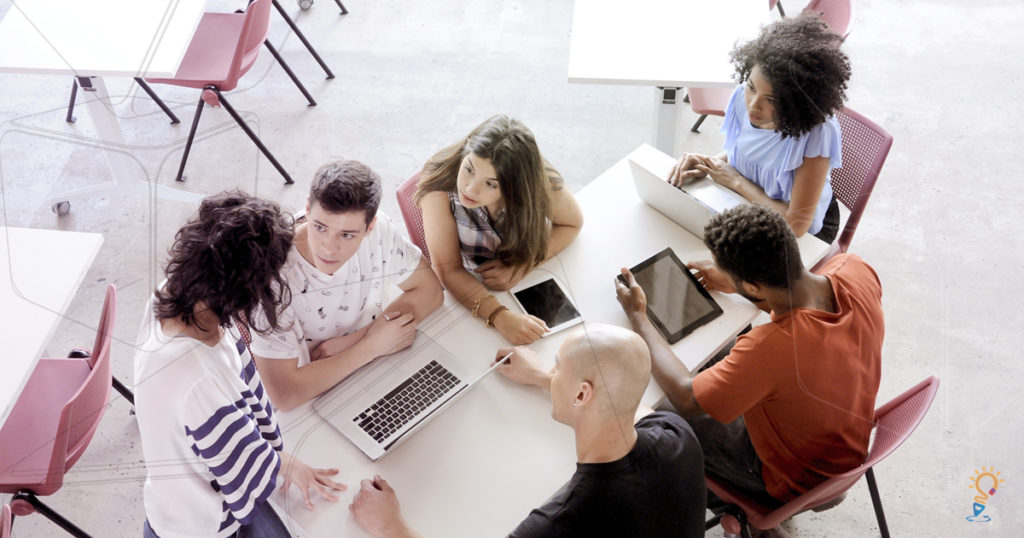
column 401, row 405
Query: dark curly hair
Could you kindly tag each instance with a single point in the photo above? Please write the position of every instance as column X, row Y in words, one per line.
column 229, row 256
column 344, row 186
column 800, row 58
column 754, row 244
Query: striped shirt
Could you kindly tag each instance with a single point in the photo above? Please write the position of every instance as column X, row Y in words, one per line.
column 209, row 436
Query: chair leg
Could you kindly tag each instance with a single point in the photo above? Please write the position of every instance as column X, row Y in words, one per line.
column 188, row 143
column 159, row 102
column 38, row 505
column 302, row 38
column 124, row 391
column 342, row 6
column 781, row 11
column 295, row 79
column 71, row 104
column 700, row 120
column 876, row 501
column 252, row 136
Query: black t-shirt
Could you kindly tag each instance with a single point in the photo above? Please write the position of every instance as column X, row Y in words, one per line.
column 655, row 490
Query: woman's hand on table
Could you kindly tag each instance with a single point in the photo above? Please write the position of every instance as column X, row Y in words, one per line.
column 519, row 329
column 498, row 276
column 304, row 477
column 685, row 170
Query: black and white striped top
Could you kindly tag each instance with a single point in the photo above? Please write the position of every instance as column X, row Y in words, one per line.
column 209, row 435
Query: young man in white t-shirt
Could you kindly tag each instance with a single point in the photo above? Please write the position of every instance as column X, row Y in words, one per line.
column 344, row 271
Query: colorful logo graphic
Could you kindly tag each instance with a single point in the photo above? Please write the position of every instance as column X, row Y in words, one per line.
column 985, row 483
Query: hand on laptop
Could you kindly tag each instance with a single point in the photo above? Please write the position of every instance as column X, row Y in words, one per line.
column 523, row 367
column 294, row 471
column 711, row 277
column 391, row 332
column 685, row 170
column 721, row 172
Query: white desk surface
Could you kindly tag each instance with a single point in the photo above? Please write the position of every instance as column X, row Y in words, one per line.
column 483, row 464
column 673, row 43
column 40, row 271
column 98, row 37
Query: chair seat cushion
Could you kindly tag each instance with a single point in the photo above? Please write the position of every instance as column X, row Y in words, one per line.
column 27, row 437
column 208, row 58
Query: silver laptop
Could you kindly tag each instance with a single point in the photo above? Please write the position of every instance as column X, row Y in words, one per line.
column 690, row 206
column 384, row 402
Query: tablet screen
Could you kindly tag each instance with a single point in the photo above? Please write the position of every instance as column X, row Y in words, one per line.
column 547, row 301
column 676, row 302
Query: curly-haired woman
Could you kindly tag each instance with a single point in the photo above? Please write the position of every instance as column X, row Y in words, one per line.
column 781, row 135
column 494, row 208
column 210, row 439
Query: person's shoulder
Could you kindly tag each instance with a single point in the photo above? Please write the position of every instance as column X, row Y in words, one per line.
column 852, row 273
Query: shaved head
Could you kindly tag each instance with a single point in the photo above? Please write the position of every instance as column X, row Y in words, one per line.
column 614, row 360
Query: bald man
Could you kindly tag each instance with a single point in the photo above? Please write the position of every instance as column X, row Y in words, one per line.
column 639, row 472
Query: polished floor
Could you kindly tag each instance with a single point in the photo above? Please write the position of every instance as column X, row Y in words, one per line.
column 943, row 228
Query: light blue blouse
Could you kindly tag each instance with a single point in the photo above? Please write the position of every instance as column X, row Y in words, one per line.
column 767, row 159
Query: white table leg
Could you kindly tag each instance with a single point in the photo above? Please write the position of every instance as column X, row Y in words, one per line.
column 124, row 169
column 666, row 115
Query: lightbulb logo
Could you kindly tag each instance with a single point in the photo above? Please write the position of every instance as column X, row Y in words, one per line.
column 985, row 483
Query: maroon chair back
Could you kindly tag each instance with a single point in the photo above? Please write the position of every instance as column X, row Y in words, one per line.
column 254, row 33
column 865, row 148
column 411, row 213
column 837, row 14
column 81, row 415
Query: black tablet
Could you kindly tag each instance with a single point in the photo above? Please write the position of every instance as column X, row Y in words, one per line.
column 548, row 301
column 676, row 302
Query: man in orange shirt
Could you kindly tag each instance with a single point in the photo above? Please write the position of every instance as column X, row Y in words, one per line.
column 793, row 402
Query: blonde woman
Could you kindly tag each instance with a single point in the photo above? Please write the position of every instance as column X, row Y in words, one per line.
column 493, row 209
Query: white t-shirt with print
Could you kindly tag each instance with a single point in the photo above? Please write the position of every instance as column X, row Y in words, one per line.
column 325, row 306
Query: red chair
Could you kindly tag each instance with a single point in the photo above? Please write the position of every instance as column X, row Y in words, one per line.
column 894, row 422
column 837, row 14
column 865, row 148
column 223, row 48
column 412, row 215
column 53, row 421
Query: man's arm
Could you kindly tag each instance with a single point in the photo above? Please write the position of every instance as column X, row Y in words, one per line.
column 290, row 386
column 421, row 293
column 668, row 370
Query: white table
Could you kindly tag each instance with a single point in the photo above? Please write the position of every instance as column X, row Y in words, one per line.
column 40, row 271
column 483, row 464
column 669, row 44
column 96, row 38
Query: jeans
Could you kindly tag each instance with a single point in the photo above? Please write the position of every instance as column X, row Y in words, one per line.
column 264, row 524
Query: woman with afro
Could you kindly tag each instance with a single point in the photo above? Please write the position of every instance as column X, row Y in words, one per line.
column 781, row 135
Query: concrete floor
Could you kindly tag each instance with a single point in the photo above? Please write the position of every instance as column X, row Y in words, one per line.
column 941, row 230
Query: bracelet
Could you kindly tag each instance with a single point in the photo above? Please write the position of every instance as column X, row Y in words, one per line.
column 480, row 301
column 494, row 316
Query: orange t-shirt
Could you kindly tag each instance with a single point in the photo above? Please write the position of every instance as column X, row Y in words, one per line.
column 806, row 383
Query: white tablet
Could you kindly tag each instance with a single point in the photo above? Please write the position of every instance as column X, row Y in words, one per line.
column 548, row 301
